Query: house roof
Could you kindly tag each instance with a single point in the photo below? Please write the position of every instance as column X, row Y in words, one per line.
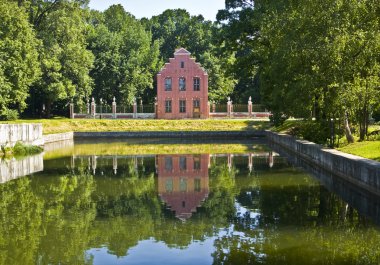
column 182, row 51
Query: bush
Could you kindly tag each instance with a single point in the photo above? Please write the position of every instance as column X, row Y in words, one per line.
column 278, row 118
column 376, row 115
column 9, row 115
column 21, row 149
column 317, row 132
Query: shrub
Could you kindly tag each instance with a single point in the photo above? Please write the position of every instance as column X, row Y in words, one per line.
column 316, row 132
column 9, row 115
column 376, row 115
column 21, row 149
column 278, row 118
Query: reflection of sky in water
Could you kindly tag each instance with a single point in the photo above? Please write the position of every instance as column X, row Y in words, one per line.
column 150, row 250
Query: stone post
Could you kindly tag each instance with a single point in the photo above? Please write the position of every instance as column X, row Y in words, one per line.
column 93, row 108
column 155, row 107
column 250, row 107
column 134, row 109
column 213, row 107
column 229, row 107
column 88, row 108
column 114, row 108
column 71, row 110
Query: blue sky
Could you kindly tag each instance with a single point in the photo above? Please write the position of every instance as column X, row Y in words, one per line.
column 149, row 8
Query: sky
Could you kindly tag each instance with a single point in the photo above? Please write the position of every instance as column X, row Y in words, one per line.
column 149, row 8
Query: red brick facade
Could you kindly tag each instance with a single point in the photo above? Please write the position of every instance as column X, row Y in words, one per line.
column 182, row 88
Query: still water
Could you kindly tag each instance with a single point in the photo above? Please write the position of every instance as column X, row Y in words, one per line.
column 155, row 202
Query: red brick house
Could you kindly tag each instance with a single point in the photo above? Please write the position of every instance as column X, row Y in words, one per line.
column 182, row 88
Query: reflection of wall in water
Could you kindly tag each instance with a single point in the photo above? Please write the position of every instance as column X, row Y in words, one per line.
column 14, row 168
column 183, row 182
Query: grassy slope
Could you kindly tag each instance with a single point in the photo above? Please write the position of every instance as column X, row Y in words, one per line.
column 368, row 149
column 90, row 125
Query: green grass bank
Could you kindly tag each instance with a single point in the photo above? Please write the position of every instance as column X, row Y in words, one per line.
column 61, row 125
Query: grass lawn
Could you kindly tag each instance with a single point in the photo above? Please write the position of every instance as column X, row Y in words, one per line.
column 367, row 149
column 59, row 125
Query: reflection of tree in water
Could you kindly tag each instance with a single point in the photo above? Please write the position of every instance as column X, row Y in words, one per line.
column 39, row 213
column 55, row 219
column 296, row 217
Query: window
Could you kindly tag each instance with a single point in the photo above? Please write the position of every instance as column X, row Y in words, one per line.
column 182, row 163
column 196, row 103
column 169, row 185
column 197, row 185
column 182, row 84
column 183, row 185
column 182, row 64
column 197, row 84
column 168, row 106
column 182, row 106
column 168, row 164
column 168, row 84
column 197, row 163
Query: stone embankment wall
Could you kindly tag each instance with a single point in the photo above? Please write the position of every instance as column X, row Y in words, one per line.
column 358, row 170
column 172, row 134
column 10, row 134
column 14, row 168
column 51, row 138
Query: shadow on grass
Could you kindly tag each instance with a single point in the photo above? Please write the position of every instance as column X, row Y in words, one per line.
column 252, row 125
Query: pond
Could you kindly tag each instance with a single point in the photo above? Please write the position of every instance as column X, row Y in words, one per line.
column 164, row 202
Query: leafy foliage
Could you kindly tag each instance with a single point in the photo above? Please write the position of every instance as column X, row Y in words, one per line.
column 311, row 58
column 19, row 66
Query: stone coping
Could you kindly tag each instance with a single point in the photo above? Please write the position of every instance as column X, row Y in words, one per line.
column 171, row 134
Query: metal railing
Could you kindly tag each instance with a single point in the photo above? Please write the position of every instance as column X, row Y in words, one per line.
column 124, row 109
column 103, row 108
column 145, row 108
column 240, row 108
column 221, row 108
column 258, row 108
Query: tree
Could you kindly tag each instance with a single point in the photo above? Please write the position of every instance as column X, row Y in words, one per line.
column 310, row 57
column 176, row 28
column 65, row 61
column 125, row 57
column 19, row 67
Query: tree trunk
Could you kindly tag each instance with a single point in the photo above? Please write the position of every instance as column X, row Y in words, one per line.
column 48, row 108
column 347, row 129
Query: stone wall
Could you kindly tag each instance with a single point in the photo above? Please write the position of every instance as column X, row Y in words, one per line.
column 51, row 138
column 27, row 133
column 172, row 134
column 360, row 171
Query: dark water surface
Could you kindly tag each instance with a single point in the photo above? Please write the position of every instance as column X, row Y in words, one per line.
column 155, row 202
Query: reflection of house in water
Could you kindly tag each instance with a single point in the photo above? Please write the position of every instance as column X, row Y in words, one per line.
column 183, row 182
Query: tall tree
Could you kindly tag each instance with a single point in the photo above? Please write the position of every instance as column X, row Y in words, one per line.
column 65, row 61
column 126, row 58
column 19, row 66
column 176, row 28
